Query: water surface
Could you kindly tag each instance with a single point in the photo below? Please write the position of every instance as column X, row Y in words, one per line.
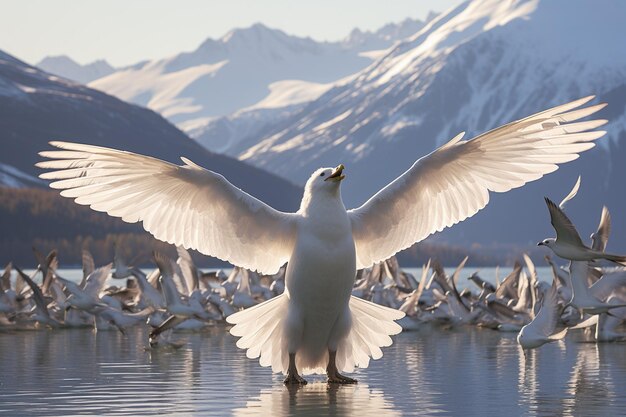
column 464, row 371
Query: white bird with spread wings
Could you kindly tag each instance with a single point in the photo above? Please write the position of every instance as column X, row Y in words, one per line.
column 316, row 326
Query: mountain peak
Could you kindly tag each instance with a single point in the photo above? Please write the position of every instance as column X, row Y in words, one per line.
column 57, row 60
column 257, row 33
column 384, row 36
column 66, row 67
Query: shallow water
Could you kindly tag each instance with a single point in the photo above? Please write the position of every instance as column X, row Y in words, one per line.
column 430, row 372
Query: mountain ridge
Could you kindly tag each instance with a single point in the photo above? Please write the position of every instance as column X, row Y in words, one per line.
column 39, row 107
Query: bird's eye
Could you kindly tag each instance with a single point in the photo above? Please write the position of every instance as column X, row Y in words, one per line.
column 322, row 174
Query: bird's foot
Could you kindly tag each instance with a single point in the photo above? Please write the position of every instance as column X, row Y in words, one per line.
column 294, row 379
column 337, row 378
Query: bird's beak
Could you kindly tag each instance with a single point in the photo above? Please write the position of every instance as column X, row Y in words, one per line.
column 540, row 244
column 337, row 175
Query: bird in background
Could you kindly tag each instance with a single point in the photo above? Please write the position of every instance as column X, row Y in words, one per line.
column 568, row 244
column 315, row 325
column 543, row 328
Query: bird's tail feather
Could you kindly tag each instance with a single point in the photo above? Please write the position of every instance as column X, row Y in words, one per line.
column 618, row 259
column 372, row 324
column 262, row 332
column 261, row 329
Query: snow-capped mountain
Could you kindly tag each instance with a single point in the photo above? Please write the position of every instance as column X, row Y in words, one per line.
column 246, row 75
column 227, row 134
column 384, row 37
column 228, row 74
column 66, row 67
column 472, row 68
column 38, row 107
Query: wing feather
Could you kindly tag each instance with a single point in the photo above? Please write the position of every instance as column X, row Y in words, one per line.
column 453, row 182
column 565, row 230
column 601, row 237
column 185, row 205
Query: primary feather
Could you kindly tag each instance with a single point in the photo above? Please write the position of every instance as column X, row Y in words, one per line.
column 184, row 205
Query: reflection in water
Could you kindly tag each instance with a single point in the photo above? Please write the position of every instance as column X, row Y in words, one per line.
column 317, row 399
column 429, row 372
column 590, row 389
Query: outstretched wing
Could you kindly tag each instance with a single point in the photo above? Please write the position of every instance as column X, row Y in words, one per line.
column 601, row 237
column 548, row 316
column 571, row 194
column 565, row 229
column 453, row 182
column 184, row 205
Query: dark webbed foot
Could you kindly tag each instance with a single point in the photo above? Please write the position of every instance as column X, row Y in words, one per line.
column 294, row 379
column 334, row 377
column 337, row 378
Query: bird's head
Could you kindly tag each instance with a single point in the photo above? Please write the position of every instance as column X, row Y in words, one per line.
column 323, row 185
column 547, row 242
column 326, row 179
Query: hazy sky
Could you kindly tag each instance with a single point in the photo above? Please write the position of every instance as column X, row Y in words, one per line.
column 127, row 31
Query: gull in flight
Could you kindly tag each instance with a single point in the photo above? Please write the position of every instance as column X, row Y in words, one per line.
column 315, row 325
column 568, row 244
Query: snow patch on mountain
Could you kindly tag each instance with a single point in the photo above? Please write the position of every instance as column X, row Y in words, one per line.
column 289, row 92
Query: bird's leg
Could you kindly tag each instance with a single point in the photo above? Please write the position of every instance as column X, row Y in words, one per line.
column 292, row 373
column 334, row 377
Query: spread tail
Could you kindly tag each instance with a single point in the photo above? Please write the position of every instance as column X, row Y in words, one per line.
column 262, row 333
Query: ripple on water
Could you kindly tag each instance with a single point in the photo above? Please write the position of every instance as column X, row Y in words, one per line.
column 429, row 372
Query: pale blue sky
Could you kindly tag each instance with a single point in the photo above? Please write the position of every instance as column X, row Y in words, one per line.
column 127, row 31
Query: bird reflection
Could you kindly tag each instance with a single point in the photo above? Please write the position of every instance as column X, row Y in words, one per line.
column 589, row 390
column 528, row 385
column 319, row 399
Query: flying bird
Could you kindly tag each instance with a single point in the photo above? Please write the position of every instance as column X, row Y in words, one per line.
column 568, row 244
column 315, row 325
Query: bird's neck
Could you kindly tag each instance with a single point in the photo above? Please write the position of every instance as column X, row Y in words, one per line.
column 321, row 204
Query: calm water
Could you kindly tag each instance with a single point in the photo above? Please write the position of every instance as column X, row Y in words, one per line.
column 430, row 372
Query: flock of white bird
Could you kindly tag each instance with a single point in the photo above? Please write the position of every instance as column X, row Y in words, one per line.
column 179, row 296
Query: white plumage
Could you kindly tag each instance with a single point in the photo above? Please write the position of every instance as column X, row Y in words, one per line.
column 542, row 329
column 316, row 324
